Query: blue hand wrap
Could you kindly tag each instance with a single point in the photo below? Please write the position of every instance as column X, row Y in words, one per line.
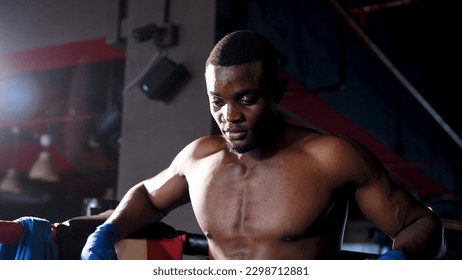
column 393, row 255
column 100, row 244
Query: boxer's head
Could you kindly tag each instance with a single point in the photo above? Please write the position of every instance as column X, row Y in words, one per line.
column 244, row 88
column 245, row 46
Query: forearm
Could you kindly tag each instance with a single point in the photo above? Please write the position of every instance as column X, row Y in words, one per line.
column 423, row 239
column 134, row 211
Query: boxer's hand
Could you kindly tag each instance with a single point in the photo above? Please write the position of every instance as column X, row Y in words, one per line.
column 393, row 255
column 100, row 244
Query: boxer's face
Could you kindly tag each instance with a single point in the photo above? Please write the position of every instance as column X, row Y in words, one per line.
column 240, row 103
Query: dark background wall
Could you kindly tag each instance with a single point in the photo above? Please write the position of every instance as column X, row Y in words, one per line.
column 155, row 131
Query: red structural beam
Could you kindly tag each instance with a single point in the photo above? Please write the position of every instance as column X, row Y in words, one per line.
column 59, row 56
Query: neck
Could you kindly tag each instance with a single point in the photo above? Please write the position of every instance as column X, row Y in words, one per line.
column 269, row 141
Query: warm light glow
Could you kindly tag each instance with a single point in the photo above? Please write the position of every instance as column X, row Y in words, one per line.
column 11, row 183
column 44, row 169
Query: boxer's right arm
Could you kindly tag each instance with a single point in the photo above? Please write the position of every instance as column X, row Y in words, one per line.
column 145, row 203
column 133, row 212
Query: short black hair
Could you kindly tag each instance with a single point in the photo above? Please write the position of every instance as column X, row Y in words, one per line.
column 245, row 46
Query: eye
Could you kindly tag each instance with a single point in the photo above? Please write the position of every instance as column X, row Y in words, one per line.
column 217, row 102
column 248, row 100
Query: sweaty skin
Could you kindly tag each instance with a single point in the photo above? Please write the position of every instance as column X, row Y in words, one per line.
column 267, row 189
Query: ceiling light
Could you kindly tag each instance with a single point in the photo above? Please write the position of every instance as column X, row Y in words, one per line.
column 44, row 169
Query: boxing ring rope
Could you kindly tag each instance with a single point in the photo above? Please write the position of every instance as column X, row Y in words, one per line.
column 10, row 232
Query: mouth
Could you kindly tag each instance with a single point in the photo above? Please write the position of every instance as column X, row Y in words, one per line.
column 235, row 134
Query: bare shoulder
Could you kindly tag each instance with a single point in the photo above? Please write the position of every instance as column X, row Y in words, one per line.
column 329, row 145
column 198, row 149
column 339, row 156
column 325, row 145
column 204, row 146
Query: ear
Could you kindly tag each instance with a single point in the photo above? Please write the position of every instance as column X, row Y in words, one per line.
column 280, row 90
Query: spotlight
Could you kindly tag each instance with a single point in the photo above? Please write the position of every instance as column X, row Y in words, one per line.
column 164, row 36
column 164, row 79
column 145, row 33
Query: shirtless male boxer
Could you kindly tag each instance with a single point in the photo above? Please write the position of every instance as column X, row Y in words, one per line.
column 265, row 188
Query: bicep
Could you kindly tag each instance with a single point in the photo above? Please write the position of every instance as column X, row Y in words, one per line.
column 167, row 190
column 388, row 206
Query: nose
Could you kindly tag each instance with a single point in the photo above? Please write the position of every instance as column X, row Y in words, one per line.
column 232, row 113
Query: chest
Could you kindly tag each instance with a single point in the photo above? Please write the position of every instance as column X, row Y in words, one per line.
column 283, row 196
